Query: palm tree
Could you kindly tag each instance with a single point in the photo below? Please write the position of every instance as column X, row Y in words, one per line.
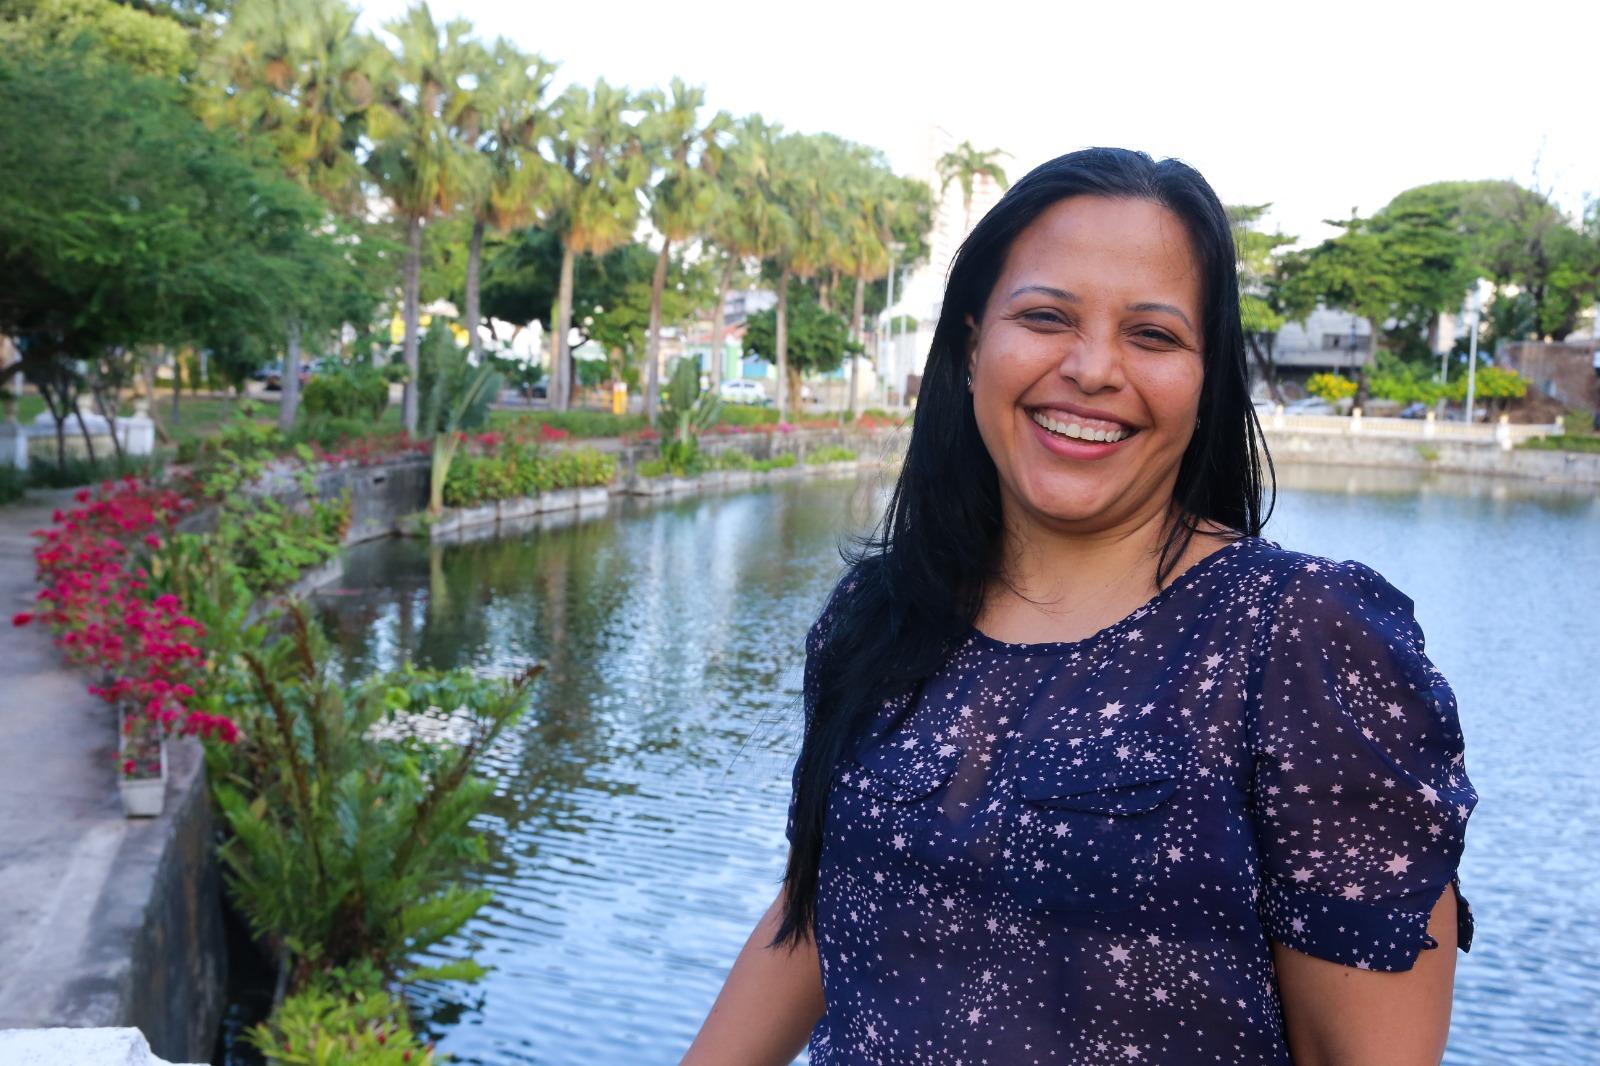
column 758, row 224
column 964, row 165
column 869, row 190
column 499, row 120
column 418, row 162
column 682, row 201
column 599, row 167
column 802, row 183
column 297, row 75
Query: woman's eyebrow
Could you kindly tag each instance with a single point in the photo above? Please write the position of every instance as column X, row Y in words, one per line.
column 1168, row 308
column 1045, row 290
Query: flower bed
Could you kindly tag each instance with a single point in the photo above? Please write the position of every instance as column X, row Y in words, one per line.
column 97, row 600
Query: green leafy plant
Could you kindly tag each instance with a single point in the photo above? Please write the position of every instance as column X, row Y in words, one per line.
column 342, row 1018
column 686, row 414
column 456, row 398
column 829, row 454
column 777, row 462
column 349, row 824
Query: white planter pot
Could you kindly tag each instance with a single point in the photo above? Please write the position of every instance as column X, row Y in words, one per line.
column 144, row 797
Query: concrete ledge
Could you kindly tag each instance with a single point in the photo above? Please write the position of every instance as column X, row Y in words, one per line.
column 77, row 1047
column 1439, row 453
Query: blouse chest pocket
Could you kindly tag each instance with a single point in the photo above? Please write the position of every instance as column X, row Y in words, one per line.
column 903, row 771
column 1091, row 820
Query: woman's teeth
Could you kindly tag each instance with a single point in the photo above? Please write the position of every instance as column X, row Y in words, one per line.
column 1081, row 432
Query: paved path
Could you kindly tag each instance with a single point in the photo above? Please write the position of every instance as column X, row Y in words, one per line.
column 61, row 821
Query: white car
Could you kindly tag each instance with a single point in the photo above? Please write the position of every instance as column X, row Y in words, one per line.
column 743, row 390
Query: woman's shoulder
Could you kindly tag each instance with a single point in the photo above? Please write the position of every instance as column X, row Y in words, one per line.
column 1292, row 571
column 1332, row 598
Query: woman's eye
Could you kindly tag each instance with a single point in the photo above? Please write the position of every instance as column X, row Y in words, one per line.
column 1159, row 336
column 1043, row 316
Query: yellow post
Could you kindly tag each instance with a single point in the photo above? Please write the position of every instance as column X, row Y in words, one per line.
column 619, row 397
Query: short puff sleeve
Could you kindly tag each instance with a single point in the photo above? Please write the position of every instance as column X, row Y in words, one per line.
column 1360, row 795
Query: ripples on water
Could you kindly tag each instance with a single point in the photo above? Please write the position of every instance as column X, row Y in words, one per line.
column 637, row 832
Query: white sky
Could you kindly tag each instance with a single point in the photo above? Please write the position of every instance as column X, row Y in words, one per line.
column 1315, row 108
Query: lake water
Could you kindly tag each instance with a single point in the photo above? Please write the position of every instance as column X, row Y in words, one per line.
column 637, row 832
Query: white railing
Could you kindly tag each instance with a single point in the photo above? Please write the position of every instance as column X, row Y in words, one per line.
column 1502, row 432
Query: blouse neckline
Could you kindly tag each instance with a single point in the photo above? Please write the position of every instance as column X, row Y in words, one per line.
column 1052, row 647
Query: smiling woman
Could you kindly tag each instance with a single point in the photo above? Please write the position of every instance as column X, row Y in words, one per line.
column 1092, row 772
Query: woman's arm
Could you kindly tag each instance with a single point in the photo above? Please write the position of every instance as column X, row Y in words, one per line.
column 1343, row 1016
column 768, row 1005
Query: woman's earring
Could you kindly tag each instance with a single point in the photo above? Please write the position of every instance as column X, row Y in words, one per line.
column 969, row 381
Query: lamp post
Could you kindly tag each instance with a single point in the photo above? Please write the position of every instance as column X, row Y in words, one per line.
column 1472, row 350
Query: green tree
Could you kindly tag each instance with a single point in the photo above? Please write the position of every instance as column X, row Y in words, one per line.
column 1263, row 306
column 500, row 118
column 683, row 198
column 154, row 230
column 1398, row 269
column 97, row 32
column 417, row 160
column 818, row 340
column 298, row 81
column 599, row 167
column 964, row 165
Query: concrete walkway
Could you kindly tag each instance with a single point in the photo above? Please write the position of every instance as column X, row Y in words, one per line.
column 78, row 880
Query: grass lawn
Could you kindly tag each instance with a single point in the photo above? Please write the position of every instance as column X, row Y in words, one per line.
column 1579, row 435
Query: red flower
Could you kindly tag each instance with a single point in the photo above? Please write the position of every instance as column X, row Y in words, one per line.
column 21, row 618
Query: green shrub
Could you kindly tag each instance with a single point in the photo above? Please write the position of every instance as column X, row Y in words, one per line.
column 341, row 1020
column 651, row 468
column 777, row 462
column 1330, row 387
column 747, row 414
column 732, row 459
column 522, row 468
column 832, row 453
column 578, row 423
column 345, row 391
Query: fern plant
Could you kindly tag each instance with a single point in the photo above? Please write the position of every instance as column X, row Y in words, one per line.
column 346, row 845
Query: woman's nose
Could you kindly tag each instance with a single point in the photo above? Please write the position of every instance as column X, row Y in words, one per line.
column 1093, row 362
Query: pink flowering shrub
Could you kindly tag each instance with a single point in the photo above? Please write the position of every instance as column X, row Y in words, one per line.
column 96, row 599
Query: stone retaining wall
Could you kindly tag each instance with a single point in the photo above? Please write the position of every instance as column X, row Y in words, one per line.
column 1289, row 446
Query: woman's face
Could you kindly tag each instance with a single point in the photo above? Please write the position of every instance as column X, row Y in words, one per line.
column 1086, row 365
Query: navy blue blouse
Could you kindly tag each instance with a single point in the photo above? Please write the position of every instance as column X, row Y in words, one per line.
column 1077, row 852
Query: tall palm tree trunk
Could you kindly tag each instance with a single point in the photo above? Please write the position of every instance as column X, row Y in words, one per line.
column 856, row 309
column 652, row 338
column 782, row 343
column 474, row 266
column 561, row 372
column 412, row 312
column 719, row 325
column 289, row 391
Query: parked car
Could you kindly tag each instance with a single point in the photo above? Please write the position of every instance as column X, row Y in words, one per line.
column 272, row 374
column 1415, row 409
column 1310, row 405
column 744, row 390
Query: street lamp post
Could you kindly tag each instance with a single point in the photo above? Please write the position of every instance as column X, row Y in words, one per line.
column 1472, row 351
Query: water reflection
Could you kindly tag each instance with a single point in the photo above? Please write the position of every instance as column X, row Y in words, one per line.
column 637, row 827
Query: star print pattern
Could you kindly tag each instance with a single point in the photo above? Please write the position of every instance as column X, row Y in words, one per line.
column 1079, row 853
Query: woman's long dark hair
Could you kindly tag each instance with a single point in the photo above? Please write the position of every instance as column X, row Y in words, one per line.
column 915, row 585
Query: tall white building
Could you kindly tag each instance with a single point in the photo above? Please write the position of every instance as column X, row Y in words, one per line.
column 920, row 292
